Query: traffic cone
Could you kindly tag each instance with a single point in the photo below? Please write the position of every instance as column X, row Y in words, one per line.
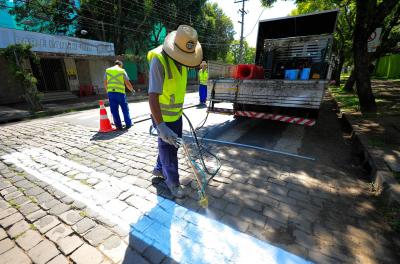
column 105, row 124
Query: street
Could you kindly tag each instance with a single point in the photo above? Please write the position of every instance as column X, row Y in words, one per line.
column 68, row 192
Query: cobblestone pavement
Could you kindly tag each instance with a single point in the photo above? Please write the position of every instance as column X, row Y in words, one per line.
column 71, row 195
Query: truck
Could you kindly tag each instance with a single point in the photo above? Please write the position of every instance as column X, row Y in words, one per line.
column 295, row 56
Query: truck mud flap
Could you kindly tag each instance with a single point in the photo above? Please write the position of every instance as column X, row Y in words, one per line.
column 277, row 117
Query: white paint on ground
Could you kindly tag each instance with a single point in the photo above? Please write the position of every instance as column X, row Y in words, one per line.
column 179, row 233
column 291, row 139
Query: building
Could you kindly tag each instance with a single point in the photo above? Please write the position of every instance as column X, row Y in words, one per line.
column 66, row 64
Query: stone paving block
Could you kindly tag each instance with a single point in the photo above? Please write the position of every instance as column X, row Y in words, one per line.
column 59, row 209
column 299, row 196
column 114, row 248
column 49, row 204
column 71, row 217
column 43, row 252
column 3, row 234
column 5, row 185
column 235, row 223
column 12, row 196
column 5, row 245
column 88, row 254
column 44, row 197
column 132, row 256
column 34, row 191
column 84, row 225
column 59, row 232
column 97, row 235
column 67, row 200
column 68, row 244
column 29, row 239
column 18, row 228
column 10, row 220
column 276, row 214
column 253, row 217
column 15, row 256
column 8, row 190
column 36, row 215
column 21, row 200
column 28, row 208
column 136, row 243
column 60, row 259
column 7, row 212
column 46, row 223
column 3, row 205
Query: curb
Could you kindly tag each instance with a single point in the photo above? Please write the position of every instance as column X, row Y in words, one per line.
column 380, row 175
column 85, row 106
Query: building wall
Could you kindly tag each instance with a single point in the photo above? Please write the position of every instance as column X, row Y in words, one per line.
column 97, row 68
column 82, row 67
column 10, row 90
column 72, row 74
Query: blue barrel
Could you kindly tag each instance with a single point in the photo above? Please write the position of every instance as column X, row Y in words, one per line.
column 305, row 74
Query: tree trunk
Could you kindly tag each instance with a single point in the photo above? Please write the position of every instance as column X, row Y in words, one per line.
column 349, row 86
column 361, row 60
column 338, row 69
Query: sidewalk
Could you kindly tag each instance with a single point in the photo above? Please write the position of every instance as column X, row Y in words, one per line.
column 378, row 135
column 21, row 112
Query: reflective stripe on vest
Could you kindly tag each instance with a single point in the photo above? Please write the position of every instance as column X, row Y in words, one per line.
column 115, row 80
column 203, row 77
column 174, row 86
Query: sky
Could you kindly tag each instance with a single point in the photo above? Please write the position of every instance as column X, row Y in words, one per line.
column 254, row 10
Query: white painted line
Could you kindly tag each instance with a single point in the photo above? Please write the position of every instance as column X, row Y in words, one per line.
column 183, row 235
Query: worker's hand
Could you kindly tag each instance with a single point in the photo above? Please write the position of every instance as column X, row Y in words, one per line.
column 167, row 135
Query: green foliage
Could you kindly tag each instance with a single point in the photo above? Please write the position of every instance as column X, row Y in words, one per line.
column 15, row 55
column 233, row 54
column 45, row 16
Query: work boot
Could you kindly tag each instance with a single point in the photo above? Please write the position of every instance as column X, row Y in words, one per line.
column 177, row 191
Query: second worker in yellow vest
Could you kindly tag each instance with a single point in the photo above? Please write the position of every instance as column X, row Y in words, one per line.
column 115, row 80
column 167, row 89
column 203, row 78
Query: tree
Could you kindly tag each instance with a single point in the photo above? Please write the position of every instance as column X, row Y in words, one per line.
column 54, row 17
column 15, row 55
column 216, row 32
column 342, row 45
column 370, row 14
column 233, row 54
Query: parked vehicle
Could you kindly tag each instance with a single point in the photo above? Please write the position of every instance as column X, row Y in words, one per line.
column 294, row 54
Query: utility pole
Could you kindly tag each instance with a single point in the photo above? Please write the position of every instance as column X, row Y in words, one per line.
column 243, row 12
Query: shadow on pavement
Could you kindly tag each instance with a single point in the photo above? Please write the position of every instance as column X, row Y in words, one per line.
column 107, row 136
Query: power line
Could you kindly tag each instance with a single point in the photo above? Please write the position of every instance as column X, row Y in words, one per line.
column 255, row 24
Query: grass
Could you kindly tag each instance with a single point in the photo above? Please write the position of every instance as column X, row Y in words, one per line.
column 33, row 227
column 13, row 204
column 348, row 102
column 376, row 142
column 82, row 213
column 33, row 199
column 84, row 181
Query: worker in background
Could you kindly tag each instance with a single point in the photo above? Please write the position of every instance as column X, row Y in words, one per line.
column 203, row 78
column 167, row 89
column 115, row 79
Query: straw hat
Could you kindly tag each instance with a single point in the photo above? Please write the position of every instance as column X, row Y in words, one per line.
column 182, row 46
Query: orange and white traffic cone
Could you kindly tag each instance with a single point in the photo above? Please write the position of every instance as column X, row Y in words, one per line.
column 105, row 124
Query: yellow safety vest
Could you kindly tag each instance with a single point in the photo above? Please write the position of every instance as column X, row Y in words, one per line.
column 115, row 79
column 203, row 76
column 174, row 86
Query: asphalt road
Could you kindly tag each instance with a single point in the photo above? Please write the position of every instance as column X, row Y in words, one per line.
column 275, row 136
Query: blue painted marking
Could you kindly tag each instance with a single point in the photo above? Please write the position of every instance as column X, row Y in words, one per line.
column 189, row 237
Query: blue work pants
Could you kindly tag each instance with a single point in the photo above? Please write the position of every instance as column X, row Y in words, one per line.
column 203, row 93
column 117, row 100
column 167, row 160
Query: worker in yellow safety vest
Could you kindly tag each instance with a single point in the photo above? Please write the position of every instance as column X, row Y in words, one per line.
column 203, row 78
column 167, row 89
column 115, row 79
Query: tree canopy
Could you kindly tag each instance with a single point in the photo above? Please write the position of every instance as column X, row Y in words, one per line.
column 233, row 54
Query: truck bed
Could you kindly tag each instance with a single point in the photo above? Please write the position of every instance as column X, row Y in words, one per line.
column 277, row 92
